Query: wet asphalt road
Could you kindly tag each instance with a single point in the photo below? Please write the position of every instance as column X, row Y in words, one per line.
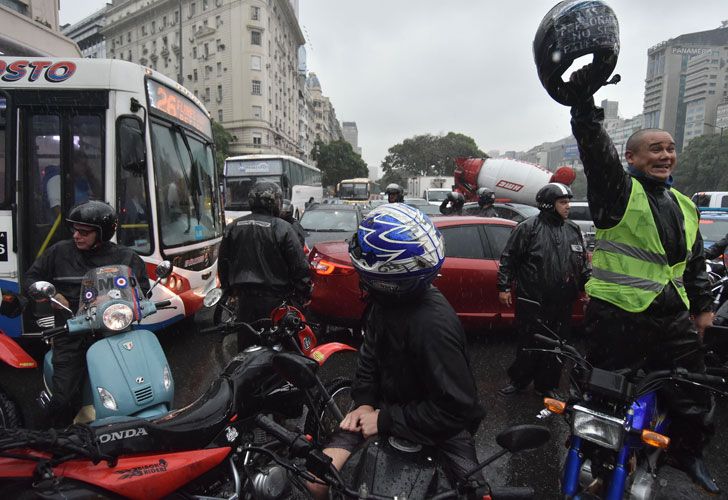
column 196, row 359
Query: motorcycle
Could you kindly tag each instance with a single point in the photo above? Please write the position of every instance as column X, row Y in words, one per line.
column 127, row 371
column 619, row 428
column 210, row 448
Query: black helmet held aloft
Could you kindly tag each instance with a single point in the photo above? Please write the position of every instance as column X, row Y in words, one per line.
column 486, row 196
column 547, row 195
column 265, row 197
column 456, row 198
column 571, row 29
column 97, row 214
column 395, row 189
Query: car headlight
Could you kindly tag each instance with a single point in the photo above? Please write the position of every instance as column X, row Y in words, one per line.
column 599, row 428
column 118, row 317
column 107, row 399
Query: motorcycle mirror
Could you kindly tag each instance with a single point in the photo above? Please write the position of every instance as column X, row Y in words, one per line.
column 523, row 437
column 164, row 269
column 296, row 369
column 42, row 290
column 212, row 297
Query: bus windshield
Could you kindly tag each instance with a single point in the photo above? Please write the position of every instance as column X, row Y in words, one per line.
column 187, row 199
column 353, row 191
column 237, row 188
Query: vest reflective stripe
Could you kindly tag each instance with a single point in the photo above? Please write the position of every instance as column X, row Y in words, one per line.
column 629, row 263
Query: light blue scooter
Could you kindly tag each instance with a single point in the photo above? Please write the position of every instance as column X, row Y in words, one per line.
column 128, row 373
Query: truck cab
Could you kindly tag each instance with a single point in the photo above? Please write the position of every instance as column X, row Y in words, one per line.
column 434, row 196
column 710, row 199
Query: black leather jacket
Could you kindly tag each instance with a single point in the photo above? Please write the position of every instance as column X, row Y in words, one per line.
column 262, row 251
column 608, row 191
column 64, row 265
column 546, row 257
column 414, row 367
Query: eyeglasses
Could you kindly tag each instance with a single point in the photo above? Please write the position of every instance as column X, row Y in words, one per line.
column 82, row 232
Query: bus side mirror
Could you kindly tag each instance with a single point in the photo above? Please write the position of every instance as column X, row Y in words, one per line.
column 130, row 145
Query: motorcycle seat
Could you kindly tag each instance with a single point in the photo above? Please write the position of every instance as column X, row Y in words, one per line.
column 194, row 426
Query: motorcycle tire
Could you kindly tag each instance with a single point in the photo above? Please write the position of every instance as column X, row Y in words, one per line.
column 226, row 310
column 340, row 390
column 10, row 416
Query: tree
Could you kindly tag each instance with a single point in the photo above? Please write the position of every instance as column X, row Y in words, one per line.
column 703, row 165
column 337, row 160
column 427, row 155
column 222, row 139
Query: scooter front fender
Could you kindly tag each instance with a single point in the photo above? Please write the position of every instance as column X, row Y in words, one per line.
column 323, row 352
column 14, row 355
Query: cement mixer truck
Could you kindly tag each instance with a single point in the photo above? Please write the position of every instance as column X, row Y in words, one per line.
column 512, row 180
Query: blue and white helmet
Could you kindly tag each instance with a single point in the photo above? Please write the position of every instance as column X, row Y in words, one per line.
column 397, row 250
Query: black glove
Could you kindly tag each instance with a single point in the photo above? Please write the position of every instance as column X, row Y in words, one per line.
column 578, row 85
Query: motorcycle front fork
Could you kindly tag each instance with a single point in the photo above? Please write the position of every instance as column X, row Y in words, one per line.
column 572, row 470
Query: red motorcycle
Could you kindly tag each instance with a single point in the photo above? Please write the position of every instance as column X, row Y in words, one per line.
column 203, row 449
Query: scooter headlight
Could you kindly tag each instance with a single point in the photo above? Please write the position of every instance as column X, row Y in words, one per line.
column 107, row 399
column 166, row 378
column 599, row 428
column 118, row 317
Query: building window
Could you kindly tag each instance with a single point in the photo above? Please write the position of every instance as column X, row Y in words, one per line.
column 256, row 38
column 194, row 52
column 220, row 45
column 219, row 69
column 219, row 115
column 194, row 75
column 257, row 112
column 219, row 93
column 144, row 30
column 176, row 17
column 204, row 23
column 207, row 50
column 129, row 56
column 256, row 87
column 128, row 37
column 192, row 10
column 207, row 94
column 204, row 4
column 164, row 21
column 154, row 27
column 255, row 13
column 255, row 62
column 257, row 139
column 218, row 21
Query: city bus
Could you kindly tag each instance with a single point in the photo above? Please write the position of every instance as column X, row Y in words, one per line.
column 355, row 191
column 300, row 182
column 73, row 130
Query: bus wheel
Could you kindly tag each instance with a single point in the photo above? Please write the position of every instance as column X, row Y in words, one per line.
column 10, row 416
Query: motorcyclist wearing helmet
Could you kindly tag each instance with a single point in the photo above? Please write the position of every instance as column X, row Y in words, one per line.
column 262, row 259
column 413, row 378
column 637, row 316
column 545, row 258
column 287, row 215
column 452, row 204
column 92, row 225
column 394, row 193
column 486, row 198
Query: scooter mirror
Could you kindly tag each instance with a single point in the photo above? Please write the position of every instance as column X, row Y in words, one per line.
column 212, row 297
column 42, row 290
column 523, row 437
column 296, row 369
column 164, row 269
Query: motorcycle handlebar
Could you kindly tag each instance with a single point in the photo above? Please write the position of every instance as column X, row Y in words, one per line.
column 705, row 378
column 54, row 332
column 295, row 441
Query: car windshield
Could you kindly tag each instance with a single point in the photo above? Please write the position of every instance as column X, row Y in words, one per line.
column 437, row 195
column 713, row 229
column 108, row 283
column 329, row 220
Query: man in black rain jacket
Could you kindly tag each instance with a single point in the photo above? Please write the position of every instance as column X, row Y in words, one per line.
column 546, row 258
column 662, row 335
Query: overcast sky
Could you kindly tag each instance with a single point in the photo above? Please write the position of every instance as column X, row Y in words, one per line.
column 400, row 68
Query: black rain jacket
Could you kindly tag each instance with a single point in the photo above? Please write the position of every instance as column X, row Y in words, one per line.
column 414, row 367
column 717, row 249
column 262, row 251
column 608, row 190
column 484, row 211
column 64, row 265
column 546, row 258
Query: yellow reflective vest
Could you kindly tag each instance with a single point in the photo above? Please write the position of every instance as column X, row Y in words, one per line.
column 629, row 263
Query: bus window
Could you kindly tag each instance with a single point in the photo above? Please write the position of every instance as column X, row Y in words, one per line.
column 87, row 159
column 132, row 195
column 44, row 170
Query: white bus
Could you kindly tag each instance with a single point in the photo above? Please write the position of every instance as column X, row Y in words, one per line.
column 300, row 182
column 356, row 191
column 78, row 129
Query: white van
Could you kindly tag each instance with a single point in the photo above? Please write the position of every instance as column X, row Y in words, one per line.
column 711, row 199
column 434, row 196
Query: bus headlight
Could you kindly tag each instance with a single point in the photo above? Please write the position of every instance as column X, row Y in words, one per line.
column 107, row 399
column 599, row 428
column 118, row 317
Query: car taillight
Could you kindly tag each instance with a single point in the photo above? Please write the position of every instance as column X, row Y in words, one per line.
column 326, row 267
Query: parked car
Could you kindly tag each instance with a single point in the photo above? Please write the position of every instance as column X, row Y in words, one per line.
column 330, row 222
column 579, row 212
column 467, row 279
column 423, row 206
column 516, row 212
column 713, row 226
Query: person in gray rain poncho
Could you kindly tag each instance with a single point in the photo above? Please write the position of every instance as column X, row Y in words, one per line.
column 546, row 259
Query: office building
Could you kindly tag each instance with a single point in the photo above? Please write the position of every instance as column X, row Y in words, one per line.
column 30, row 28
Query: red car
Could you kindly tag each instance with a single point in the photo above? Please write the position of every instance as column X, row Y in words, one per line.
column 467, row 278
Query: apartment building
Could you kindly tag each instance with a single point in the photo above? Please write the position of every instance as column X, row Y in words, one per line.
column 240, row 57
column 706, row 86
column 30, row 28
column 87, row 34
column 351, row 135
column 326, row 126
column 675, row 80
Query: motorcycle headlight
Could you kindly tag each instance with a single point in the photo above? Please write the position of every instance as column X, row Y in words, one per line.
column 599, row 428
column 107, row 399
column 118, row 317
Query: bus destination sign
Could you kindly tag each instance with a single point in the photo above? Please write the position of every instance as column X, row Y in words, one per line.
column 177, row 106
